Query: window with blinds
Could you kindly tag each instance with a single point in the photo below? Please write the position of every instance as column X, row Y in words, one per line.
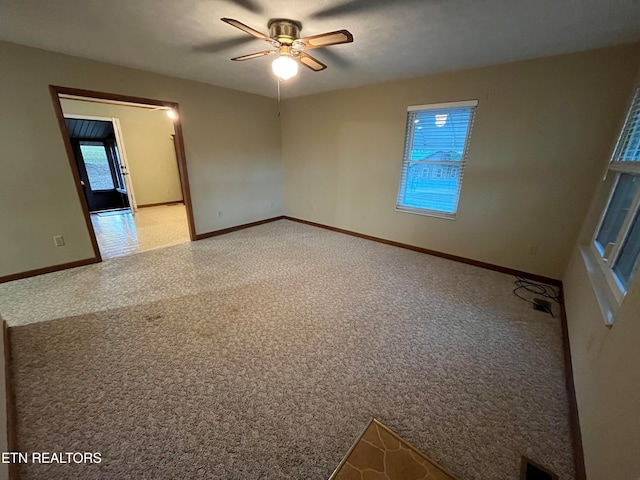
column 435, row 152
column 616, row 241
column 628, row 146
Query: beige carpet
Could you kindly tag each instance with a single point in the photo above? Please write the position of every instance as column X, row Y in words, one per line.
column 380, row 454
column 263, row 353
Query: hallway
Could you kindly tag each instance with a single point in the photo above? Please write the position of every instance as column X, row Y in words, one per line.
column 121, row 233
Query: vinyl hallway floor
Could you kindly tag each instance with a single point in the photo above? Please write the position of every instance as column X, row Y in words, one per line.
column 121, row 233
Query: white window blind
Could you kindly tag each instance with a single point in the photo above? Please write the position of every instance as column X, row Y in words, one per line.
column 628, row 145
column 436, row 142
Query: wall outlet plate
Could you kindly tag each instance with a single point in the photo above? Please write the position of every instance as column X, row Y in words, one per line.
column 58, row 240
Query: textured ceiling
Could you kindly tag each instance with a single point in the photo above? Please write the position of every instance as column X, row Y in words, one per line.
column 393, row 39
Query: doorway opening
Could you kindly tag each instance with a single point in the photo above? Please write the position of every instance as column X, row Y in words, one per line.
column 102, row 171
column 127, row 157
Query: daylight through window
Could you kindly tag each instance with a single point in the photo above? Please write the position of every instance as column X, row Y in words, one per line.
column 436, row 144
column 97, row 164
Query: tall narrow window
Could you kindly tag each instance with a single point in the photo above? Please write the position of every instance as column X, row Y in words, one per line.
column 97, row 164
column 436, row 143
column 616, row 241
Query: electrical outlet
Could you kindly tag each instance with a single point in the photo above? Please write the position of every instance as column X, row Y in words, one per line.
column 533, row 250
column 58, row 240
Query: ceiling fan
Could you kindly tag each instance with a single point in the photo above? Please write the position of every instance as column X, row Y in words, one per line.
column 284, row 37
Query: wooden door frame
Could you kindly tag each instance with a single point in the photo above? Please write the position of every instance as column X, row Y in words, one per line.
column 56, row 91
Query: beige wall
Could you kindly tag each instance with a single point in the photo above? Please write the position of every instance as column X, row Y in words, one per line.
column 232, row 143
column 150, row 152
column 541, row 130
column 605, row 360
column 607, row 379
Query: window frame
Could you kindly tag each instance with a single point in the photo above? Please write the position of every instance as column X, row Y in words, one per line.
column 609, row 290
column 110, row 164
column 444, row 165
column 606, row 265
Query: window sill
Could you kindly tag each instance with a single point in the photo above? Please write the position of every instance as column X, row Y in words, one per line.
column 426, row 213
column 606, row 300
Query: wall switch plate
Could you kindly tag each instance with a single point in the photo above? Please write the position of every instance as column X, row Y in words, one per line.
column 533, row 250
column 58, row 240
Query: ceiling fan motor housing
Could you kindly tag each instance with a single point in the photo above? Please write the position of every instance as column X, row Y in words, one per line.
column 284, row 31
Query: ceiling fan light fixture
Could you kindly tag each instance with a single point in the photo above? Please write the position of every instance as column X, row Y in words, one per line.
column 285, row 67
column 284, row 37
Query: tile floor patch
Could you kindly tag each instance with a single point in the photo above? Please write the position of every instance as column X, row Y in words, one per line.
column 381, row 454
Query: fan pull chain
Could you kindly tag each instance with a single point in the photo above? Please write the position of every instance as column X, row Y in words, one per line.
column 278, row 98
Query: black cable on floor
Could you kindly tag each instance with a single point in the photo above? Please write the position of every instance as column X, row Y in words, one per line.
column 538, row 289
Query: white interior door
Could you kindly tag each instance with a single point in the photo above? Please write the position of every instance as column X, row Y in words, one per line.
column 124, row 166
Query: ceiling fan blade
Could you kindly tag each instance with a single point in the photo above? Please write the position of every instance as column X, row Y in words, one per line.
column 253, row 55
column 327, row 39
column 335, row 57
column 310, row 62
column 246, row 29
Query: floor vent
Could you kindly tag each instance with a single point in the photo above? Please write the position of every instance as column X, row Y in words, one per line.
column 542, row 305
column 530, row 470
